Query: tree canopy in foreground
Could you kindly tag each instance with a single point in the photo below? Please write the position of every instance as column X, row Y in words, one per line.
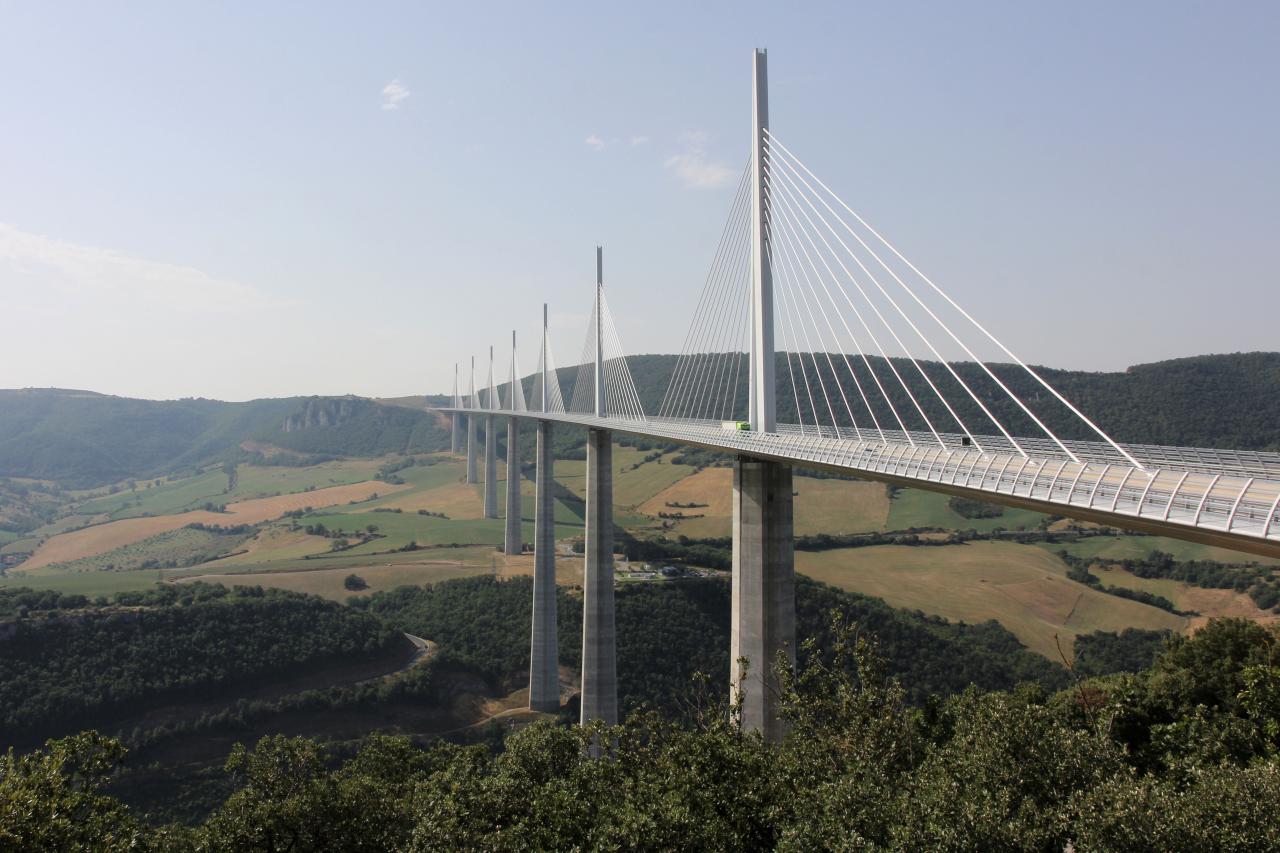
column 1180, row 756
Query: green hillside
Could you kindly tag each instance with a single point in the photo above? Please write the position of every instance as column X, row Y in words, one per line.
column 1228, row 401
column 82, row 439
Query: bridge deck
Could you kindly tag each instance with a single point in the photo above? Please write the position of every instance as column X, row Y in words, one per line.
column 1217, row 497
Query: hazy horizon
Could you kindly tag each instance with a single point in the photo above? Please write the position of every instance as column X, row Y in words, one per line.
column 525, row 375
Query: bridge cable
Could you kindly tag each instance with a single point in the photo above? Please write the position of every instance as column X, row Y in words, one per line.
column 791, row 258
column 716, row 340
column 714, row 319
column 945, row 363
column 835, row 374
column 786, row 219
column 682, row 362
column 919, row 368
column 1034, row 374
column 695, row 358
column 798, row 298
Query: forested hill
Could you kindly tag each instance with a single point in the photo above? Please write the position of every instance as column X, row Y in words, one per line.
column 1228, row 401
column 81, row 439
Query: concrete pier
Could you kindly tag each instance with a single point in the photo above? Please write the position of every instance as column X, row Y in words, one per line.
column 763, row 596
column 471, row 450
column 512, row 544
column 490, row 468
column 455, row 439
column 599, row 665
column 544, row 662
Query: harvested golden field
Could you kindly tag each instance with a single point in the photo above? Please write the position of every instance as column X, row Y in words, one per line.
column 407, row 571
column 710, row 486
column 329, row 582
column 1210, row 603
column 821, row 506
column 1022, row 587
column 276, row 543
column 107, row 537
column 456, row 500
column 568, row 569
column 839, row 506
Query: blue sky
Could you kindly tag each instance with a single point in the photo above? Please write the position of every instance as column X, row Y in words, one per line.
column 237, row 200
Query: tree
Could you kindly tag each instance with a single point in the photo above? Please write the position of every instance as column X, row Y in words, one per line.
column 51, row 799
column 355, row 583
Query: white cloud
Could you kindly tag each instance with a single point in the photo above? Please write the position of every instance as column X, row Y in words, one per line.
column 694, row 167
column 393, row 93
column 595, row 143
column 42, row 266
column 639, row 140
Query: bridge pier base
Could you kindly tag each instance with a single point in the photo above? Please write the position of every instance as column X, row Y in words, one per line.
column 490, row 469
column 763, row 595
column 471, row 449
column 544, row 662
column 512, row 543
column 599, row 664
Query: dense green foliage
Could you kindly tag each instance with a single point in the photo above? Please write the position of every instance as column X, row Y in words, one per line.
column 1078, row 571
column 969, row 508
column 667, row 632
column 1180, row 757
column 1106, row 652
column 61, row 669
column 1260, row 582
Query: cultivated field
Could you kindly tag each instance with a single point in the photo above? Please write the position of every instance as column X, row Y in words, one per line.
column 252, row 481
column 1022, row 587
column 423, row 567
column 1137, row 547
column 821, row 506
column 101, row 538
column 917, row 508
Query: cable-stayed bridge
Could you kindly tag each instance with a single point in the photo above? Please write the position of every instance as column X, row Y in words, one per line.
column 816, row 343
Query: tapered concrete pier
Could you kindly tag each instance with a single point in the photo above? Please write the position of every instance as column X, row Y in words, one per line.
column 471, row 449
column 490, row 468
column 512, row 544
column 763, row 596
column 544, row 662
column 599, row 667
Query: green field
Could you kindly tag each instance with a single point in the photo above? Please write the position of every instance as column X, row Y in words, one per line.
column 20, row 546
column 86, row 583
column 1118, row 548
column 918, row 508
column 631, row 486
column 325, row 577
column 253, row 481
column 839, row 506
column 399, row 529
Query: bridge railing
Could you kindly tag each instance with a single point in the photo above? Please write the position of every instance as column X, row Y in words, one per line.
column 1226, row 502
